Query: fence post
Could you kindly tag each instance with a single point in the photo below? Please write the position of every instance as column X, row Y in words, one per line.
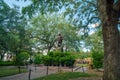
column 19, row 69
column 29, row 74
column 35, row 67
column 83, row 69
column 72, row 68
column 47, row 70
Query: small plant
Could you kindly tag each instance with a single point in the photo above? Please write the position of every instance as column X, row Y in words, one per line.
column 38, row 59
column 97, row 59
column 21, row 59
column 47, row 60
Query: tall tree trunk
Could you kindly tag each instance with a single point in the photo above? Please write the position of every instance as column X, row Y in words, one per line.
column 111, row 37
column 111, row 50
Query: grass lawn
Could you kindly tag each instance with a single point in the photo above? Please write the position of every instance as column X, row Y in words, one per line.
column 6, row 71
column 66, row 76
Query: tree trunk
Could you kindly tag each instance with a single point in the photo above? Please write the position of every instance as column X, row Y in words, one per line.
column 111, row 37
column 111, row 50
column 2, row 56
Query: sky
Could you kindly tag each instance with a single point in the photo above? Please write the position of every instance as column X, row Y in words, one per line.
column 20, row 3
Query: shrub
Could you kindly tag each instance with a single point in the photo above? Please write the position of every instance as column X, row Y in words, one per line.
column 6, row 63
column 69, row 61
column 38, row 59
column 97, row 59
column 21, row 58
column 57, row 58
column 47, row 60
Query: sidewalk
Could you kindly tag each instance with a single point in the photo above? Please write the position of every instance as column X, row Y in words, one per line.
column 41, row 71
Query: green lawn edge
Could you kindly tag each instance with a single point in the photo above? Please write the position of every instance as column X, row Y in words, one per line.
column 66, row 76
column 9, row 72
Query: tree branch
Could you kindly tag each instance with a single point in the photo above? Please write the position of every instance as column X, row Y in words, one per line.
column 90, row 2
column 117, row 6
column 3, row 19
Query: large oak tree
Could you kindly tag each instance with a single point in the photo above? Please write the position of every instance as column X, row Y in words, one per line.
column 44, row 30
column 109, row 15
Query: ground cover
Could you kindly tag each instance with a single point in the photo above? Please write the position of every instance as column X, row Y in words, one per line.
column 10, row 70
column 67, row 76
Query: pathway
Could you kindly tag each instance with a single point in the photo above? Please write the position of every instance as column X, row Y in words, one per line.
column 41, row 71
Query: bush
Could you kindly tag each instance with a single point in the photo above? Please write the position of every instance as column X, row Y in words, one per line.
column 47, row 60
column 21, row 58
column 6, row 63
column 69, row 61
column 97, row 59
column 57, row 58
column 38, row 59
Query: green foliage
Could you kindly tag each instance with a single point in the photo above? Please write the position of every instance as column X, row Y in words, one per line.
column 57, row 58
column 47, row 60
column 97, row 59
column 82, row 55
column 95, row 41
column 45, row 29
column 69, row 60
column 66, row 76
column 82, row 12
column 7, row 71
column 21, row 58
column 12, row 29
column 38, row 59
column 6, row 63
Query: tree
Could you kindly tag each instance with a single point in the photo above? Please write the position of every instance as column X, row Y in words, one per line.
column 45, row 28
column 109, row 15
column 94, row 41
column 12, row 27
column 82, row 13
column 21, row 58
column 7, row 28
